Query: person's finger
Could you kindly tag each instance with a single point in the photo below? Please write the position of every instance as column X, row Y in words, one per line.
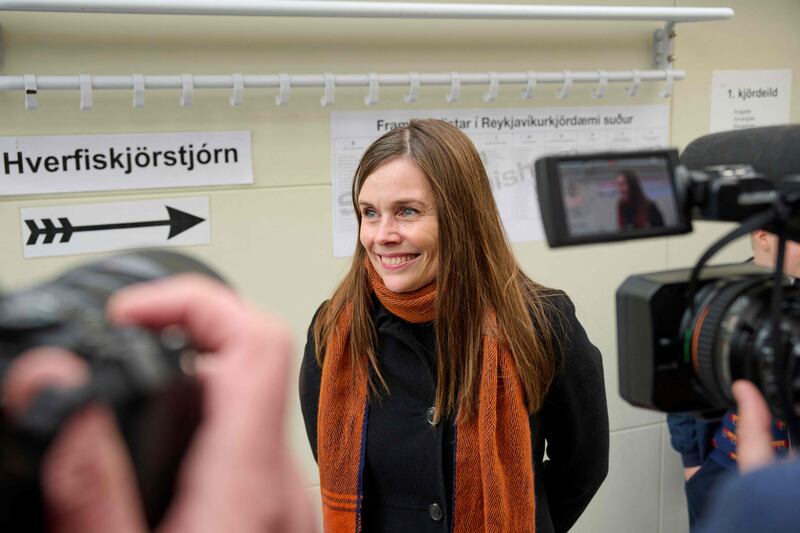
column 87, row 480
column 753, row 435
column 252, row 349
column 211, row 312
column 37, row 369
column 690, row 471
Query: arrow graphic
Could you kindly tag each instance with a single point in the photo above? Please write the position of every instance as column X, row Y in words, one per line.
column 179, row 221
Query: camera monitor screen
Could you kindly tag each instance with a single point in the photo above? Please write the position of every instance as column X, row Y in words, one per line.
column 609, row 197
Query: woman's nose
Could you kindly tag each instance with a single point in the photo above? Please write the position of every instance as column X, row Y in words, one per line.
column 387, row 231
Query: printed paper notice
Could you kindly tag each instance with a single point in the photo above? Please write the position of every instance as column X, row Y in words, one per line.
column 748, row 98
column 509, row 142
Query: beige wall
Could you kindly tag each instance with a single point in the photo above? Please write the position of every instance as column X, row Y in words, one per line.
column 273, row 239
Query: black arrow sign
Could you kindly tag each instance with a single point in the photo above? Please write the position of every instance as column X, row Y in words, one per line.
column 178, row 222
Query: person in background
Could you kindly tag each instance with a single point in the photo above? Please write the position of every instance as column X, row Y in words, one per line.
column 437, row 373
column 634, row 209
column 237, row 474
column 709, row 448
column 765, row 251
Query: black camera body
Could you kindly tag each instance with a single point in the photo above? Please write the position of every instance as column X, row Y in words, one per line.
column 144, row 376
column 675, row 360
column 685, row 335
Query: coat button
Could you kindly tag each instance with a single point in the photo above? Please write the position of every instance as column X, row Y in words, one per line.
column 430, row 416
column 435, row 512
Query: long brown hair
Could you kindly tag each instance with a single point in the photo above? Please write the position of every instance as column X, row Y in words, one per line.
column 477, row 271
column 636, row 195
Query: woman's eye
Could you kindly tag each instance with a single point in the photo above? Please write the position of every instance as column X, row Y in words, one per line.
column 408, row 211
column 369, row 213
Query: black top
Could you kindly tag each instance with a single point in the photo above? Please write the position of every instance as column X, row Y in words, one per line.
column 408, row 473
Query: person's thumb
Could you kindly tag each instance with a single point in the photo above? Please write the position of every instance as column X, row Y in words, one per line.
column 753, row 435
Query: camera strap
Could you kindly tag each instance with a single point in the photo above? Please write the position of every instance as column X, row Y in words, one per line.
column 751, row 224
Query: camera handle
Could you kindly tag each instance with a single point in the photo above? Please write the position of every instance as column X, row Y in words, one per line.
column 751, row 224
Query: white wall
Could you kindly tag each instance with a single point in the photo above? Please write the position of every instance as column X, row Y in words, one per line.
column 273, row 239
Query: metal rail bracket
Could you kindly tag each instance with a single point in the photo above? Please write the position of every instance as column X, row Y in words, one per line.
column 663, row 46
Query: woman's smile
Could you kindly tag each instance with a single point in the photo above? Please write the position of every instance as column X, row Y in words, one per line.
column 395, row 261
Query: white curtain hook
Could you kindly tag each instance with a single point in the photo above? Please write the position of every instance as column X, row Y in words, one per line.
column 138, row 90
column 187, row 90
column 413, row 88
column 87, row 102
column 284, row 83
column 494, row 88
column 602, row 85
column 637, row 81
column 455, row 87
column 565, row 89
column 31, row 91
column 530, row 88
column 329, row 95
column 237, row 95
column 667, row 92
column 374, row 87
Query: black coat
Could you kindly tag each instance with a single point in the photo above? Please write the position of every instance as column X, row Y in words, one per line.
column 408, row 473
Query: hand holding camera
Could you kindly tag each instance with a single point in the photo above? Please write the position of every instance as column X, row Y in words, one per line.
column 234, row 472
column 237, row 474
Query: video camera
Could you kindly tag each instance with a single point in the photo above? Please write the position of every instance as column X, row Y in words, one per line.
column 144, row 376
column 685, row 335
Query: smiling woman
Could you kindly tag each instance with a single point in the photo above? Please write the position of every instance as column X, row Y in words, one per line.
column 438, row 371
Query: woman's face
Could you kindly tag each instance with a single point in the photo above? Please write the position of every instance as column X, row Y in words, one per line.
column 399, row 226
column 623, row 187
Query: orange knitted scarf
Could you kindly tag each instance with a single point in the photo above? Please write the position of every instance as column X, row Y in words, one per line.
column 493, row 475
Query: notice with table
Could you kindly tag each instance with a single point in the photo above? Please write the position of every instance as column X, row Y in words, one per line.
column 509, row 142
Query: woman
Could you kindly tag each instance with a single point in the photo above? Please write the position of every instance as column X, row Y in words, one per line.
column 634, row 209
column 434, row 375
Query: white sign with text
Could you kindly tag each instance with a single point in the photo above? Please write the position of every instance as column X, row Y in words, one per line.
column 509, row 142
column 80, row 163
column 748, row 98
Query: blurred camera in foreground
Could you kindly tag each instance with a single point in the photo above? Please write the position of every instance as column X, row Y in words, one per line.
column 144, row 376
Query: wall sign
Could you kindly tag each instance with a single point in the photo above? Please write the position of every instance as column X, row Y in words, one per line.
column 749, row 98
column 79, row 163
column 85, row 228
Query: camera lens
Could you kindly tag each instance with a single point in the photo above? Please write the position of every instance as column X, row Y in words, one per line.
column 730, row 338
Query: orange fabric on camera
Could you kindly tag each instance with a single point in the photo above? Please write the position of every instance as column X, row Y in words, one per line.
column 493, row 474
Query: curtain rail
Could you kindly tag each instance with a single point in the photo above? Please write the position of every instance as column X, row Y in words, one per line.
column 336, row 8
